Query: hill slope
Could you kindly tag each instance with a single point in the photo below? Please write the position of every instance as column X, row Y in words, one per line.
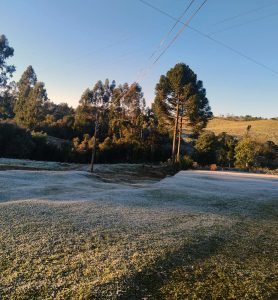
column 261, row 130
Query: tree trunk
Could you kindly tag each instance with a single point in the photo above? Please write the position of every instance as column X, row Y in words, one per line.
column 94, row 148
column 179, row 141
column 175, row 132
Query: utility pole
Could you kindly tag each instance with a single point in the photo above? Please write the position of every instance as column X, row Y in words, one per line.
column 94, row 145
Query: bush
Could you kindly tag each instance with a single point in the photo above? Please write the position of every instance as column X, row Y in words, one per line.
column 15, row 142
column 186, row 162
column 245, row 153
column 206, row 146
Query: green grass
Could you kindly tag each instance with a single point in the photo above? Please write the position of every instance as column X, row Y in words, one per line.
column 261, row 130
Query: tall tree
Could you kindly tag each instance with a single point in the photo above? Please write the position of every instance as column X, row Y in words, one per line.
column 85, row 113
column 31, row 96
column 127, row 109
column 6, row 72
column 179, row 94
column 102, row 97
column 93, row 101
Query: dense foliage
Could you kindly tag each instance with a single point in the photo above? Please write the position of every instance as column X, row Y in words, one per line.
column 125, row 129
column 179, row 92
column 6, row 72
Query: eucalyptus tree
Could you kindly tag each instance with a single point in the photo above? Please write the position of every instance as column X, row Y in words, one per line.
column 92, row 113
column 6, row 72
column 127, row 109
column 93, row 105
column 30, row 100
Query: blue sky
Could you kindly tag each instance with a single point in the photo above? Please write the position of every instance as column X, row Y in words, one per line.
column 71, row 44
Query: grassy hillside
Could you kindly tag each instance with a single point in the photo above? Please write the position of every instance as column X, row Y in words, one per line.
column 261, row 130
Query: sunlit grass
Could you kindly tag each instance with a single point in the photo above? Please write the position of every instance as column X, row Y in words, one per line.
column 261, row 130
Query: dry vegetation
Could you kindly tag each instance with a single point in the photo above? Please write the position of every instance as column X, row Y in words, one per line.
column 261, row 130
column 197, row 235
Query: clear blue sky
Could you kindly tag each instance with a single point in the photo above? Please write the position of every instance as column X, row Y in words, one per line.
column 73, row 43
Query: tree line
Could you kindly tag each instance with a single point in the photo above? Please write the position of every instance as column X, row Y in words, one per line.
column 111, row 119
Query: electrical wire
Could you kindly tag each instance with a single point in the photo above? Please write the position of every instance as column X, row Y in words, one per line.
column 245, row 23
column 148, row 69
column 180, row 32
column 172, row 28
column 245, row 13
column 207, row 36
column 144, row 71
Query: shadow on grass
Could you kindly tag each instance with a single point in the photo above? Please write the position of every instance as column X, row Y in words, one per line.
column 147, row 283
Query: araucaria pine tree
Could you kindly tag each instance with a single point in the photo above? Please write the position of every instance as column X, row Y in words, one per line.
column 181, row 96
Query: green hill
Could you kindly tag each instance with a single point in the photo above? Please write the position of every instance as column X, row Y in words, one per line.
column 261, row 130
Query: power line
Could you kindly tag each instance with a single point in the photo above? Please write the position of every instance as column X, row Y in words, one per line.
column 172, row 28
column 144, row 72
column 245, row 23
column 213, row 39
column 234, row 50
column 180, row 32
column 245, row 13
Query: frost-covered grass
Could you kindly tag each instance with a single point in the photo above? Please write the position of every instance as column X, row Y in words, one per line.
column 12, row 163
column 196, row 235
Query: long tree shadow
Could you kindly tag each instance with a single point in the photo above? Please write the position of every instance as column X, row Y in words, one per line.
column 147, row 283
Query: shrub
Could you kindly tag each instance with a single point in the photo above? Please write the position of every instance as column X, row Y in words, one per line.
column 245, row 153
column 15, row 142
column 206, row 146
column 186, row 162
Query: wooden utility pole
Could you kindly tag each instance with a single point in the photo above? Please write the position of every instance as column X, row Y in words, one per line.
column 175, row 132
column 94, row 146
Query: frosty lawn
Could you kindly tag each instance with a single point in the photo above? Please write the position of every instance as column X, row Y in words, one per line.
column 202, row 235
